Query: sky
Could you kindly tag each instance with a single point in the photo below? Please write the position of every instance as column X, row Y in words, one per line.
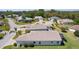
column 34, row 9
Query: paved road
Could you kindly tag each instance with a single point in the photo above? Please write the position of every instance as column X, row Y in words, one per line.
column 7, row 40
column 12, row 24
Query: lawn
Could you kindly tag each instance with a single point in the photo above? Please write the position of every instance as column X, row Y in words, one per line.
column 76, row 21
column 1, row 36
column 18, row 33
column 6, row 26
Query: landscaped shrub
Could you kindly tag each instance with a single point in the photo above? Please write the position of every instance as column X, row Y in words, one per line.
column 15, row 44
column 27, row 31
column 1, row 36
column 63, row 29
column 76, row 33
column 31, row 45
column 20, row 45
column 25, row 45
column 19, row 32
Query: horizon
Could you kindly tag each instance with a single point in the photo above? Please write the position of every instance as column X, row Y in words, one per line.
column 37, row 9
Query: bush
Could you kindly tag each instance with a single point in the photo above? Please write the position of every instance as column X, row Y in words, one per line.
column 19, row 32
column 1, row 36
column 25, row 45
column 20, row 45
column 15, row 44
column 76, row 33
column 31, row 45
column 27, row 31
column 63, row 29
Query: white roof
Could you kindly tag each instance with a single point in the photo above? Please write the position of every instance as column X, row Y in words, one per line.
column 54, row 17
column 40, row 36
column 38, row 17
column 65, row 20
column 27, row 18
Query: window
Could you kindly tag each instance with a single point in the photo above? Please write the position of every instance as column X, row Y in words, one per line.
column 34, row 42
column 39, row 42
column 51, row 41
column 57, row 41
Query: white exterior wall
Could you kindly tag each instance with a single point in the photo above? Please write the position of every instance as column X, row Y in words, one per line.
column 37, row 42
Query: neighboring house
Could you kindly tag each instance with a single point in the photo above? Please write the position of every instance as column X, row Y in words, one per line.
column 65, row 21
column 53, row 18
column 27, row 19
column 40, row 38
column 19, row 18
column 9, row 16
column 1, row 23
column 15, row 15
column 36, row 27
column 38, row 18
column 74, row 28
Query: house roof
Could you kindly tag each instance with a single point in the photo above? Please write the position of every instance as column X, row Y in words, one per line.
column 37, row 26
column 65, row 20
column 38, row 17
column 54, row 17
column 40, row 36
column 27, row 18
column 75, row 27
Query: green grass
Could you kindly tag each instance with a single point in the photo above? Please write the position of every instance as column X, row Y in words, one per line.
column 17, row 34
column 6, row 26
column 8, row 47
column 76, row 21
column 1, row 36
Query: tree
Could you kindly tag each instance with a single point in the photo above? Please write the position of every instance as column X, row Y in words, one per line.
column 76, row 33
column 3, row 16
column 31, row 45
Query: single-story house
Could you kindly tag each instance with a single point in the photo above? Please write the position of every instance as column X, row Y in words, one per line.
column 38, row 18
column 53, row 18
column 65, row 21
column 40, row 38
column 19, row 18
column 74, row 28
column 15, row 15
column 27, row 19
column 9, row 16
column 36, row 27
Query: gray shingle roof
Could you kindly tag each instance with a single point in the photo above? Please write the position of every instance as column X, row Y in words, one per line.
column 40, row 36
column 75, row 27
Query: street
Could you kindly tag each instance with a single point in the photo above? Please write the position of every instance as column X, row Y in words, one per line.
column 7, row 40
